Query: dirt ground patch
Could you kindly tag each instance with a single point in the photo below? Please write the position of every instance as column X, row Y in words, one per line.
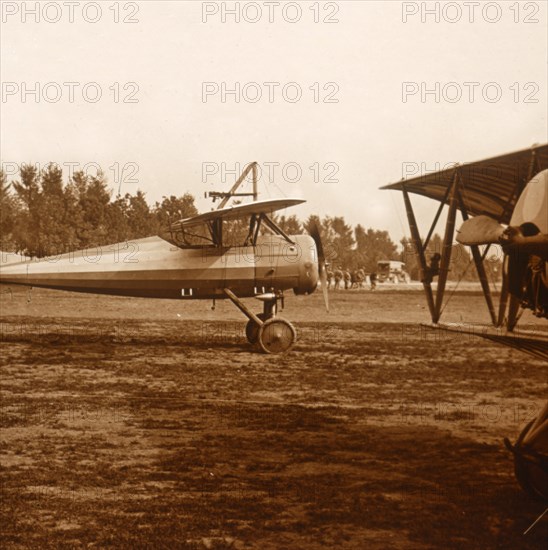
column 147, row 424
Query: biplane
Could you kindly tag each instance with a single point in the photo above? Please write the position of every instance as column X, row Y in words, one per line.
column 503, row 201
column 233, row 252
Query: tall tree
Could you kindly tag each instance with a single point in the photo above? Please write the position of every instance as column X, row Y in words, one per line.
column 289, row 224
column 139, row 217
column 118, row 219
column 7, row 214
column 409, row 256
column 342, row 240
column 54, row 227
column 27, row 226
column 373, row 246
column 94, row 200
column 174, row 208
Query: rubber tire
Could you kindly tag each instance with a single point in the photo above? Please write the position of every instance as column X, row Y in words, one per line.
column 277, row 336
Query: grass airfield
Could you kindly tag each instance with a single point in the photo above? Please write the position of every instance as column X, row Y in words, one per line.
column 131, row 423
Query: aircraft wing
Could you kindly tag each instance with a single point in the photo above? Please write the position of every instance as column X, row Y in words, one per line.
column 239, row 211
column 489, row 187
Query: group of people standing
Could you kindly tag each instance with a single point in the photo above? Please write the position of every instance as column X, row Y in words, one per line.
column 341, row 278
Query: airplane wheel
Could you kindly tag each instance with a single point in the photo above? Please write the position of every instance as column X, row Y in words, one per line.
column 252, row 329
column 277, row 335
column 532, row 475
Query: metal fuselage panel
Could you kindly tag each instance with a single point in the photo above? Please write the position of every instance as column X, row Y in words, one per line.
column 155, row 268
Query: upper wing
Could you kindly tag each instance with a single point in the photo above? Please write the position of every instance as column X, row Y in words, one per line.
column 489, row 187
column 238, row 211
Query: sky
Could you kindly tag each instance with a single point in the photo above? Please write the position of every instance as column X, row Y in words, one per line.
column 333, row 99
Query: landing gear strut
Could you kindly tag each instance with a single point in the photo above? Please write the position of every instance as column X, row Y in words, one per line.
column 252, row 329
column 273, row 334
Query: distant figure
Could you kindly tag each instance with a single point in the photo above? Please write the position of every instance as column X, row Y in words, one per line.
column 338, row 278
column 347, row 280
column 330, row 277
column 373, row 280
column 360, row 277
column 536, row 286
column 353, row 280
column 434, row 269
column 357, row 278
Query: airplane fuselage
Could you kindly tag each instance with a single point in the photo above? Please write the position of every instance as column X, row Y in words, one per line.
column 156, row 268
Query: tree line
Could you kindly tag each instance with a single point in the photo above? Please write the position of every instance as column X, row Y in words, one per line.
column 43, row 215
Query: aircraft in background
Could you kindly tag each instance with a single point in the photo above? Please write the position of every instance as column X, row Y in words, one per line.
column 525, row 245
column 230, row 253
column 502, row 200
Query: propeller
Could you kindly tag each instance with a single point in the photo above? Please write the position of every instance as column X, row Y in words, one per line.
column 322, row 266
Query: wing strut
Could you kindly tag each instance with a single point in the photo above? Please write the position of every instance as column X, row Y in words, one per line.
column 447, row 244
column 232, row 193
column 474, row 190
column 415, row 235
column 480, row 268
column 435, row 306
